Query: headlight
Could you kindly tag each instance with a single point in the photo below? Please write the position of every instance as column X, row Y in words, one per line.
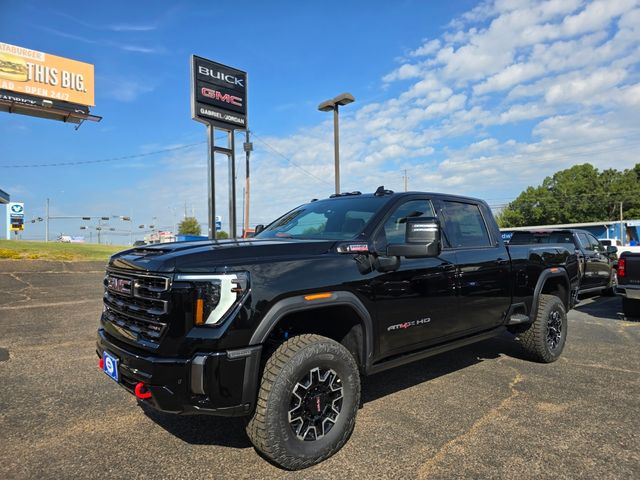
column 216, row 295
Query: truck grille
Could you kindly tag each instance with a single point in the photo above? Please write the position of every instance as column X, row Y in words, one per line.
column 136, row 306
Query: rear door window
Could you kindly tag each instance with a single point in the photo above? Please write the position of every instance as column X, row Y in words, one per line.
column 465, row 225
column 584, row 241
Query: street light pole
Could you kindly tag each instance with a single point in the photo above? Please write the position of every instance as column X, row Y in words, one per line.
column 336, row 147
column 248, row 148
column 326, row 106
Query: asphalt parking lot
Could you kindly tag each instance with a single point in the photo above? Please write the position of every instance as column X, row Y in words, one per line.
column 479, row 412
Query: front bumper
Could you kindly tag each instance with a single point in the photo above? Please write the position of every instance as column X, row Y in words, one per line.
column 215, row 383
column 629, row 291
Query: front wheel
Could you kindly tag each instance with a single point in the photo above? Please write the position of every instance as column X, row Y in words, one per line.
column 307, row 403
column 545, row 338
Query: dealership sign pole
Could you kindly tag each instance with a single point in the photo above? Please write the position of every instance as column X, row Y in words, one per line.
column 219, row 100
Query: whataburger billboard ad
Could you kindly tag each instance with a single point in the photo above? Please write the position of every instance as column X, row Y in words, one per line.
column 43, row 75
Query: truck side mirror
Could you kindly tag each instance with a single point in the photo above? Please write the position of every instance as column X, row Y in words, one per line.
column 259, row 228
column 611, row 249
column 422, row 239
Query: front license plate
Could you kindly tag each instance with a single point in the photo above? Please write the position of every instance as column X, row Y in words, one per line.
column 110, row 365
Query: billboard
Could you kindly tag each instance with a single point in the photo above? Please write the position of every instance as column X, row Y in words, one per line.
column 39, row 74
column 218, row 94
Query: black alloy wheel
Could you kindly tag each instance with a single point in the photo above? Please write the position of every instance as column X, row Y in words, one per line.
column 315, row 404
column 554, row 330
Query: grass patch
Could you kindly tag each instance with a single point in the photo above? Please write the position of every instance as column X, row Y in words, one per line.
column 69, row 252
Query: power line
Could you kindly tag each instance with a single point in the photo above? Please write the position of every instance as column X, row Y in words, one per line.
column 273, row 149
column 105, row 160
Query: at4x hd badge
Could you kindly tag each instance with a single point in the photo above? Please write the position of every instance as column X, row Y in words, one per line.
column 405, row 325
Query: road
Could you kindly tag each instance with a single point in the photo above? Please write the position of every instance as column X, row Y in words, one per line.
column 479, row 412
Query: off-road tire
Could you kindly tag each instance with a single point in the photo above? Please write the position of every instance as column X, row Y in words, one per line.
column 535, row 339
column 631, row 308
column 269, row 429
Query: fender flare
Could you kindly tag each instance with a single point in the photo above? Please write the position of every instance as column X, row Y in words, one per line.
column 542, row 279
column 298, row 303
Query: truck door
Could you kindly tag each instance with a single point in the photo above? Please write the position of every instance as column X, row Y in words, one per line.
column 597, row 266
column 415, row 303
column 483, row 267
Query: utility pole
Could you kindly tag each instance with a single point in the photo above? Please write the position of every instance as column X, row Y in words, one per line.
column 622, row 232
column 248, row 148
column 406, row 180
column 46, row 225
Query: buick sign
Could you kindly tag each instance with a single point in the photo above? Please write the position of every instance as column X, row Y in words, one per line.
column 218, row 94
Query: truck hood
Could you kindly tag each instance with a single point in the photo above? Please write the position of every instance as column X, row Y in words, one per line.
column 207, row 255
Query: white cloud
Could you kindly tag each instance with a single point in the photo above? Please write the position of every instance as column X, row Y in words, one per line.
column 582, row 89
column 404, row 72
column 125, row 27
column 427, row 48
column 510, row 76
column 123, row 89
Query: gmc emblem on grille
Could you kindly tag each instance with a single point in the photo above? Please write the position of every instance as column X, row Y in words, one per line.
column 119, row 285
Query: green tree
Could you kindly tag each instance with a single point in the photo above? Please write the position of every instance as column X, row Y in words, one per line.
column 222, row 235
column 576, row 195
column 189, row 226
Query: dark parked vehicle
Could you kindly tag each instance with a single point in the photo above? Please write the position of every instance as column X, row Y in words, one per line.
column 597, row 262
column 282, row 327
column 629, row 283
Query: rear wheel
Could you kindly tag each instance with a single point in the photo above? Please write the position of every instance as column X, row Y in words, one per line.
column 631, row 308
column 307, row 403
column 545, row 338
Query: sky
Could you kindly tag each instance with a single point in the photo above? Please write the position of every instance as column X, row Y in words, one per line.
column 473, row 98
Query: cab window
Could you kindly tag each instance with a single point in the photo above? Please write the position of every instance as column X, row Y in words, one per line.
column 393, row 230
column 595, row 244
column 465, row 225
column 584, row 241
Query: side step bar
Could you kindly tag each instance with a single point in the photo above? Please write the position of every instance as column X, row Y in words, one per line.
column 429, row 352
column 518, row 318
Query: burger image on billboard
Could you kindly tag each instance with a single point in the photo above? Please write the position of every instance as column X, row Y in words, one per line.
column 13, row 68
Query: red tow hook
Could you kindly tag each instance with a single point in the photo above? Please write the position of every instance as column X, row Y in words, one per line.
column 101, row 363
column 140, row 393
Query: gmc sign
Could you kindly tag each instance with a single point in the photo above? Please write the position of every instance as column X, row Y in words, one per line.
column 218, row 94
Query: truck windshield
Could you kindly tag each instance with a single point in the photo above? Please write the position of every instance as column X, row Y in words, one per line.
column 526, row 238
column 341, row 218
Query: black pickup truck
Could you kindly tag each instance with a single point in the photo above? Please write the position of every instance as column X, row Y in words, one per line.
column 597, row 262
column 629, row 283
column 281, row 327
